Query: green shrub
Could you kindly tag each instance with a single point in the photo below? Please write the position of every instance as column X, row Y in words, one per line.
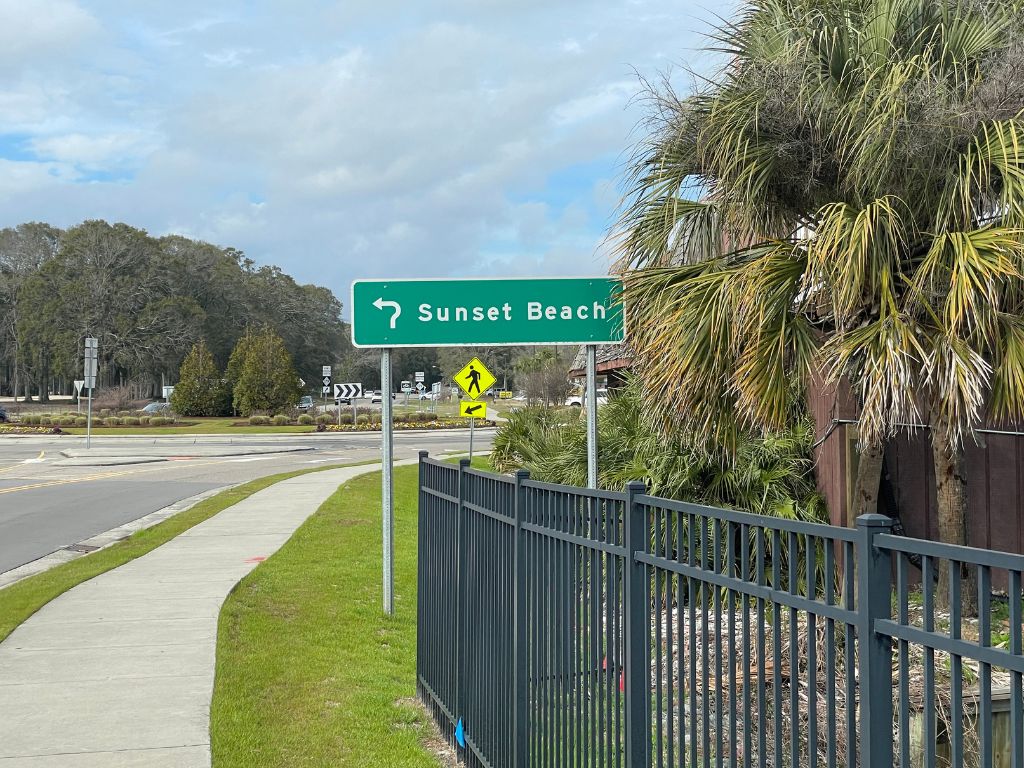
column 112, row 421
column 68, row 420
column 104, row 413
column 323, row 418
column 346, row 418
column 767, row 474
column 144, row 420
column 30, row 419
column 131, row 421
column 259, row 421
column 363, row 420
column 77, row 421
column 46, row 419
column 262, row 373
column 201, row 389
column 157, row 421
column 305, row 419
column 280, row 420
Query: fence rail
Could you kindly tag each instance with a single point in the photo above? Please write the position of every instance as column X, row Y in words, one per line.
column 560, row 626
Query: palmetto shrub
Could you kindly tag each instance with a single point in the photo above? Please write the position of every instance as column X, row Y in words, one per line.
column 768, row 474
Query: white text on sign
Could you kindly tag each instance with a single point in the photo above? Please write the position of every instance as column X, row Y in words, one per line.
column 534, row 310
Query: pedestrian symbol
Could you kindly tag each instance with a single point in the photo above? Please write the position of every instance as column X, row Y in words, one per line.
column 475, row 379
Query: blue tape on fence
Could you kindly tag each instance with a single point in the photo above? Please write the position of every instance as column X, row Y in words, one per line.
column 460, row 734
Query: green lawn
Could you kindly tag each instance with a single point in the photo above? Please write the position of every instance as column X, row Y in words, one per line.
column 21, row 600
column 309, row 670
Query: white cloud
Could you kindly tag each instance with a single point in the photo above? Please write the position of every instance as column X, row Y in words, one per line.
column 34, row 31
column 342, row 140
column 110, row 151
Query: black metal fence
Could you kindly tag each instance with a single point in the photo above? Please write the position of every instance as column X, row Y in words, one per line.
column 559, row 626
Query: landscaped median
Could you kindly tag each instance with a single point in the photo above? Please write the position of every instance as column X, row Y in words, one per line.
column 309, row 670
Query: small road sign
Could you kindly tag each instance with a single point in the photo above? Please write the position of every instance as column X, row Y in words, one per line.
column 327, row 370
column 505, row 394
column 472, row 409
column 168, row 391
column 438, row 313
column 348, row 390
column 79, row 383
column 326, row 380
column 475, row 379
column 420, row 376
column 407, row 386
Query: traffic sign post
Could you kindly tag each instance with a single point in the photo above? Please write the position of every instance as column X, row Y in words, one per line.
column 325, row 385
column 387, row 501
column 388, row 314
column 91, row 366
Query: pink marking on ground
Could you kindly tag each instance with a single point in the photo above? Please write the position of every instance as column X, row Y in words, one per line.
column 256, row 559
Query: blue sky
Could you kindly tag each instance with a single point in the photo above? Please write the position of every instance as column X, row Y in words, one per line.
column 339, row 140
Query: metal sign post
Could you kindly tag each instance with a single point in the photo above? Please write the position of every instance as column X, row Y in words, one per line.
column 591, row 416
column 91, row 352
column 387, row 501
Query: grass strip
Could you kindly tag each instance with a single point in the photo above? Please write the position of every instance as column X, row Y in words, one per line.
column 309, row 670
column 22, row 599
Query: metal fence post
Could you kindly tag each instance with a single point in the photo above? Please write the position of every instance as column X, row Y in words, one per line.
column 461, row 671
column 874, row 601
column 520, row 676
column 635, row 610
column 421, row 562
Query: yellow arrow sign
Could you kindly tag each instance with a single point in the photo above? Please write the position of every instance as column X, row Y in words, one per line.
column 475, row 379
column 472, row 409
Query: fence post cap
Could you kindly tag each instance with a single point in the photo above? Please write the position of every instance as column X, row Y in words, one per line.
column 875, row 521
column 424, row 454
column 464, row 462
column 522, row 474
column 636, row 486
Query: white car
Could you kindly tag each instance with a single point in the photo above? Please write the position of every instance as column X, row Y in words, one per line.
column 578, row 400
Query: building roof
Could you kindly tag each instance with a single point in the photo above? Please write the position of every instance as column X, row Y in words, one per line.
column 610, row 357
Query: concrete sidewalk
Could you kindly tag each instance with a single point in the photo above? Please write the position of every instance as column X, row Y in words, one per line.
column 118, row 671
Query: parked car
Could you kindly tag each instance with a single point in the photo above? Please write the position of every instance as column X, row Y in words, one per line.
column 305, row 403
column 155, row 409
column 578, row 400
column 3, row 415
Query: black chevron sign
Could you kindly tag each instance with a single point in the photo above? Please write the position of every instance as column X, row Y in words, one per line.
column 348, row 390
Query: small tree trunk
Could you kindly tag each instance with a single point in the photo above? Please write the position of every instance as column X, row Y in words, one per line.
column 951, row 501
column 868, row 482
column 866, row 486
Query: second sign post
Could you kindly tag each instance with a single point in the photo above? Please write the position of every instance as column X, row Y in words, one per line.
column 474, row 379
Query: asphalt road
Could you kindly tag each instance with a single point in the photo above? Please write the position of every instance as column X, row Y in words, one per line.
column 46, row 505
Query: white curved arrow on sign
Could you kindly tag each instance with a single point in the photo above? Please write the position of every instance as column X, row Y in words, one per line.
column 380, row 304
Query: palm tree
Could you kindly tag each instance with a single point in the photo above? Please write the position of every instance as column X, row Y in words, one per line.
column 846, row 196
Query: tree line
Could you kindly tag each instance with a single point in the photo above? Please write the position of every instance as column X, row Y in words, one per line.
column 148, row 300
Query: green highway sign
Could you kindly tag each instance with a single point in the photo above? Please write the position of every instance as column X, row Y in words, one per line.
column 449, row 313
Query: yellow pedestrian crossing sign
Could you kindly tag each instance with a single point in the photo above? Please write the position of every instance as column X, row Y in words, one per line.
column 472, row 409
column 475, row 379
